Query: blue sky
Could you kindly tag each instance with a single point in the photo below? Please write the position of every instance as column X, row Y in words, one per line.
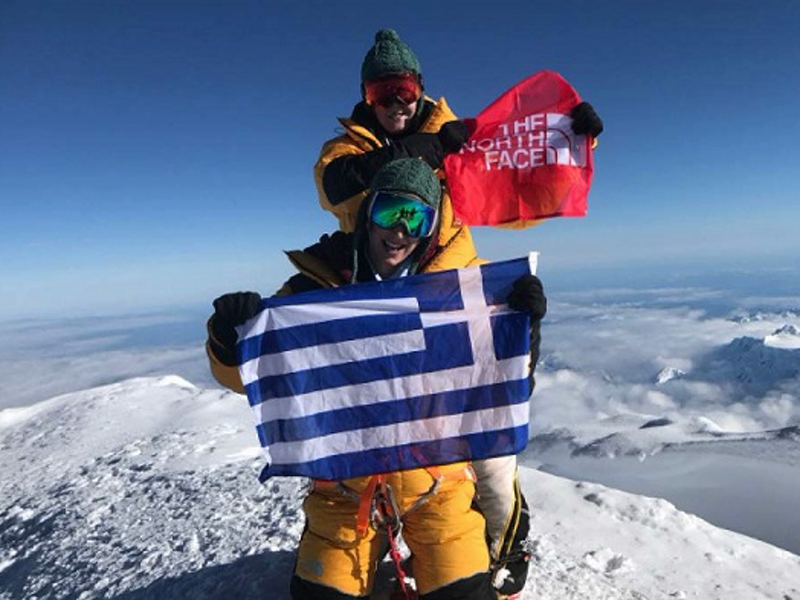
column 160, row 152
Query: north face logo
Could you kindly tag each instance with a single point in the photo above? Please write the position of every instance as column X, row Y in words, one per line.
column 534, row 141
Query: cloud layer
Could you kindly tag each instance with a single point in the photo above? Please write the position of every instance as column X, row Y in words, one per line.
column 662, row 352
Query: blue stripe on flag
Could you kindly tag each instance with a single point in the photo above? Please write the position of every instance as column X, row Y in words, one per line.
column 499, row 277
column 329, row 332
column 505, row 335
column 440, row 293
column 410, row 456
column 396, row 411
column 433, row 291
column 313, row 380
column 447, row 347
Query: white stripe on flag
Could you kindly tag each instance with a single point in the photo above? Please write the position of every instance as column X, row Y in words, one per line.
column 388, row 390
column 281, row 317
column 406, row 433
column 328, row 355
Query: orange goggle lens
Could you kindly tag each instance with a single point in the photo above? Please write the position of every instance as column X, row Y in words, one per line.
column 387, row 90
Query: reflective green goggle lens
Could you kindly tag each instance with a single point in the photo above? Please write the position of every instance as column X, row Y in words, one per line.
column 389, row 210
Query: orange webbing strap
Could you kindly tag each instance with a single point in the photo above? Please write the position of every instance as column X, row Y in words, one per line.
column 365, row 498
column 365, row 503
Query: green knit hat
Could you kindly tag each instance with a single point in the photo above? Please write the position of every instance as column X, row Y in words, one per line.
column 412, row 176
column 389, row 55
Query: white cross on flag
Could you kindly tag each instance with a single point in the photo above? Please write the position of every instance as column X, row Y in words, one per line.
column 391, row 375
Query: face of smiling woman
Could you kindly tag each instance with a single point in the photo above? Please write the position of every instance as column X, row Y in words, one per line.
column 388, row 248
column 395, row 118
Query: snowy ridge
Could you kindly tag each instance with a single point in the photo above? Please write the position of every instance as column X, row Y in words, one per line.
column 787, row 336
column 148, row 489
column 133, row 487
column 668, row 374
column 595, row 542
column 746, row 365
column 656, row 436
column 750, row 362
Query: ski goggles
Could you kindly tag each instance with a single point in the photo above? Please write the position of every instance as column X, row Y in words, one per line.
column 386, row 90
column 390, row 209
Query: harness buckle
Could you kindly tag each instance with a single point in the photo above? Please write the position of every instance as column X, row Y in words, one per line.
column 384, row 511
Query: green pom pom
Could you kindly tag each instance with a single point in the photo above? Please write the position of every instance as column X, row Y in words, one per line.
column 385, row 35
column 389, row 56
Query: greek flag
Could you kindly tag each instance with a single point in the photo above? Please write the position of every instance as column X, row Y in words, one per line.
column 391, row 375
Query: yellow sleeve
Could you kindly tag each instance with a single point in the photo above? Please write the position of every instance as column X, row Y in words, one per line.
column 226, row 376
column 345, row 211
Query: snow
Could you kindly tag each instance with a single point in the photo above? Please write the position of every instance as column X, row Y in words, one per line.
column 664, row 459
column 787, row 336
column 668, row 374
column 147, row 488
column 144, row 488
column 595, row 542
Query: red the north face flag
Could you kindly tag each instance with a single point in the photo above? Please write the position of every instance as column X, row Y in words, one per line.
column 523, row 162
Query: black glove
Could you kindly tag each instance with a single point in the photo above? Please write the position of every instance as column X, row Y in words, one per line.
column 231, row 310
column 453, row 135
column 585, row 121
column 433, row 147
column 426, row 146
column 527, row 295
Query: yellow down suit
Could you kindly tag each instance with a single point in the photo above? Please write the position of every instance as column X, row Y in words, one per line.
column 341, row 193
column 340, row 546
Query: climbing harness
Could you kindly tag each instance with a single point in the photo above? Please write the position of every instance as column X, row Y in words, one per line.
column 378, row 509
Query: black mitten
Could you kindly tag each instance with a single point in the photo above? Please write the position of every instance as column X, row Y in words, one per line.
column 585, row 121
column 527, row 295
column 426, row 146
column 453, row 135
column 231, row 310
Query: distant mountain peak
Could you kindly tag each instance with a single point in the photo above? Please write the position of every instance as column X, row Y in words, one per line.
column 755, row 365
column 787, row 329
column 668, row 374
column 787, row 337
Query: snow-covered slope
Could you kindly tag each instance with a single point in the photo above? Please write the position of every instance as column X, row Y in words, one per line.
column 787, row 336
column 148, row 489
column 594, row 542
